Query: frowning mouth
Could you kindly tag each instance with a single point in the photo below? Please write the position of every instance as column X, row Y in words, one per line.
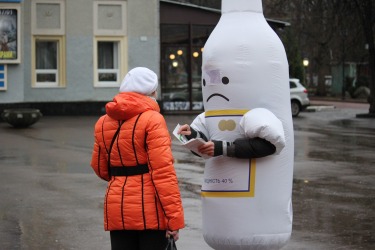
column 216, row 94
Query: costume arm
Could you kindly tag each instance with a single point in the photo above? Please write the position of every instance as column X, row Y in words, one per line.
column 198, row 128
column 196, row 134
column 262, row 123
column 263, row 135
column 244, row 148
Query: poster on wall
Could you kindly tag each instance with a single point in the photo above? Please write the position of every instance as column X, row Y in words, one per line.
column 9, row 34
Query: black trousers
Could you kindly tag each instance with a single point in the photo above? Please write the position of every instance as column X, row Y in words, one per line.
column 138, row 240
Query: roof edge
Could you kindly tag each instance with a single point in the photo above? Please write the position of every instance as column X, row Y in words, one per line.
column 279, row 22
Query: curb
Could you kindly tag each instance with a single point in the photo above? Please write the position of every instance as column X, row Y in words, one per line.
column 320, row 108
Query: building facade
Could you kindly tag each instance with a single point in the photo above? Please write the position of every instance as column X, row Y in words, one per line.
column 70, row 56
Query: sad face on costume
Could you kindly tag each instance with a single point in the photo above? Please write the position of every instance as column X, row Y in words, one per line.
column 230, row 86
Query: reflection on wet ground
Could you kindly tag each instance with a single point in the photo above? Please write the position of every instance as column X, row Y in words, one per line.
column 333, row 191
column 338, row 217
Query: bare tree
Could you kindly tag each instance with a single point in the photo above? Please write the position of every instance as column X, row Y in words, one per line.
column 365, row 10
column 311, row 22
column 326, row 31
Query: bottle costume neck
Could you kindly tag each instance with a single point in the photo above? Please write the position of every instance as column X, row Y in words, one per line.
column 228, row 6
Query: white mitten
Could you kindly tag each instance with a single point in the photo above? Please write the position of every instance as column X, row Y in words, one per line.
column 262, row 123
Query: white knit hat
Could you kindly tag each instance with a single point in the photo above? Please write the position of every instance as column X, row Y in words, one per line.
column 141, row 80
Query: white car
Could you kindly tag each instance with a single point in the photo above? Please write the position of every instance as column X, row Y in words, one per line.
column 298, row 96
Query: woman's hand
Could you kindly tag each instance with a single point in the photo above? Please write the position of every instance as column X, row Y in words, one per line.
column 184, row 130
column 175, row 234
column 207, row 148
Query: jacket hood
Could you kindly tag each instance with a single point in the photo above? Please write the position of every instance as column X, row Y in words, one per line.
column 129, row 104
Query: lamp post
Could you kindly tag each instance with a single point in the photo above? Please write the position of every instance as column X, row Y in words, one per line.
column 305, row 63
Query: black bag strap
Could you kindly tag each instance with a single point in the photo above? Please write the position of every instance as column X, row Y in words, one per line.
column 135, row 152
column 110, row 170
column 111, row 145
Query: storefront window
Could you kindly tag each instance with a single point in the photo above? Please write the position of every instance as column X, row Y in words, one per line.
column 174, row 34
column 181, row 55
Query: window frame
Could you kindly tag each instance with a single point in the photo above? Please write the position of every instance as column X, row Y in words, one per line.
column 60, row 71
column 121, row 62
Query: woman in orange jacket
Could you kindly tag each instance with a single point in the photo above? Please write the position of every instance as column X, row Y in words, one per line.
column 132, row 151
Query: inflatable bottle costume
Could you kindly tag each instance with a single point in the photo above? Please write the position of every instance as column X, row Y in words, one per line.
column 246, row 203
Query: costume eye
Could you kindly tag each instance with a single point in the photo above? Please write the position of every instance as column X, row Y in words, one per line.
column 204, row 82
column 225, row 80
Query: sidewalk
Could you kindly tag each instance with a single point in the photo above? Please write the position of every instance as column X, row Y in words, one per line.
column 327, row 103
column 337, row 99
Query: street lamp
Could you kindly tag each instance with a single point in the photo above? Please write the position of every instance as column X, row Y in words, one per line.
column 305, row 63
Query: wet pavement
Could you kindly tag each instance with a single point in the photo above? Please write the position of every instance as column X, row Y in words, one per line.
column 51, row 199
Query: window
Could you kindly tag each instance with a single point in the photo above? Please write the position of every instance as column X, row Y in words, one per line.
column 108, row 61
column 48, row 62
column 107, row 55
column 292, row 85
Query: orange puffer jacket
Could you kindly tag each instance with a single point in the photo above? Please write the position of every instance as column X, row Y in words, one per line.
column 141, row 201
